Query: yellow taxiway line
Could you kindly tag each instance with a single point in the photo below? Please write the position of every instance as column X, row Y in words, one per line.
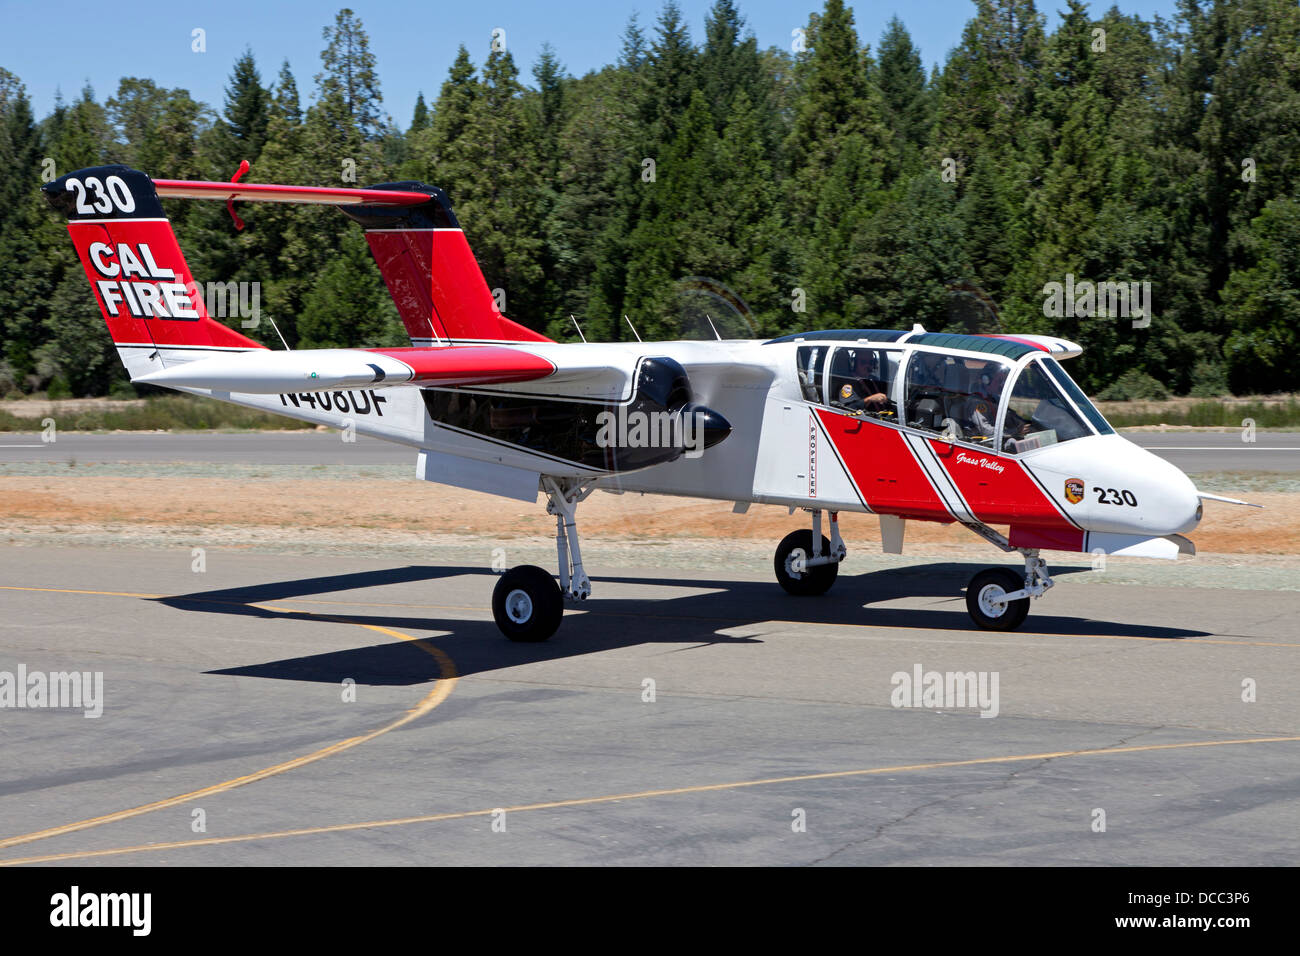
column 441, row 691
column 639, row 795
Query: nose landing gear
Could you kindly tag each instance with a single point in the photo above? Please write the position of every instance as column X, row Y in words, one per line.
column 998, row 598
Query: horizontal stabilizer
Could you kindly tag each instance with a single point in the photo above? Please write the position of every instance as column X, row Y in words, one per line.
column 270, row 192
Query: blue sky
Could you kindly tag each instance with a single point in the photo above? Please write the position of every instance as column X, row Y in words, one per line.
column 414, row 43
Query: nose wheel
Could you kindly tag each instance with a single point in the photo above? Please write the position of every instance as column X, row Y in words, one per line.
column 998, row 598
column 986, row 600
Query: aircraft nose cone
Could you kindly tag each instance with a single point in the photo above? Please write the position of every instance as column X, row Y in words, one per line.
column 1176, row 501
column 710, row 425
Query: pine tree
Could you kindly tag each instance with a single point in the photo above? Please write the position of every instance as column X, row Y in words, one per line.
column 28, row 238
column 1263, row 349
column 498, row 201
column 901, row 81
column 348, row 84
column 248, row 106
column 436, row 155
column 729, row 64
column 670, row 76
column 284, row 101
column 347, row 305
column 548, row 111
column 419, row 117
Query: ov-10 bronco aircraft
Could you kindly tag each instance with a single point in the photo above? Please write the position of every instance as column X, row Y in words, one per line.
column 986, row 431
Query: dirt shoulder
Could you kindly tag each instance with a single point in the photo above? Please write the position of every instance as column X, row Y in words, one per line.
column 117, row 504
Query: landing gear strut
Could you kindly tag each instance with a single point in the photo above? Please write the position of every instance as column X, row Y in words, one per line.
column 806, row 563
column 998, row 598
column 526, row 603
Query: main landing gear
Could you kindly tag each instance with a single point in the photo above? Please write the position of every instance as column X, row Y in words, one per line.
column 527, row 603
column 806, row 563
column 998, row 598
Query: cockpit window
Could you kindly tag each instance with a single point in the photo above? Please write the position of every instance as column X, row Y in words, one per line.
column 1038, row 414
column 862, row 381
column 1076, row 393
column 811, row 359
column 955, row 396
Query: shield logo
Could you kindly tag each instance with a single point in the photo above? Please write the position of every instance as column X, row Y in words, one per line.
column 1074, row 490
column 846, row 391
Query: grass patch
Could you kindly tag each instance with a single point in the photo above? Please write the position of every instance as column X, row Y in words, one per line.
column 159, row 413
column 1207, row 413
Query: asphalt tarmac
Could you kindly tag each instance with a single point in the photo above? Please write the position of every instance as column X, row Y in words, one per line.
column 279, row 709
column 1193, row 452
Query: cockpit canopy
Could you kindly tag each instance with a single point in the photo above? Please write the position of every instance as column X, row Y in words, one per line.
column 1007, row 404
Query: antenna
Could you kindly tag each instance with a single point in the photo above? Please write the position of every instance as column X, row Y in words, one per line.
column 713, row 327
column 579, row 328
column 281, row 334
column 632, row 327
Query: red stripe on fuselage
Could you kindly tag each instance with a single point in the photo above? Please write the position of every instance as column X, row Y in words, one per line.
column 998, row 489
column 886, row 474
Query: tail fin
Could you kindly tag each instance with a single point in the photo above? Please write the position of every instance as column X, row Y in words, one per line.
column 431, row 272
column 153, row 309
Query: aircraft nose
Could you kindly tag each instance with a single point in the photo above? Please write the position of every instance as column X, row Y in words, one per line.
column 1174, row 499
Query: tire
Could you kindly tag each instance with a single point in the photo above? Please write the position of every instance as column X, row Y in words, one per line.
column 986, row 587
column 813, row 581
column 527, row 604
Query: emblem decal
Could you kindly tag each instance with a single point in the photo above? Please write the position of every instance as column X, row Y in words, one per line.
column 1074, row 490
column 846, row 391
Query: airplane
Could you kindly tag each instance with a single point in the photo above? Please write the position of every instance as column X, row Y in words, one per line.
column 986, row 431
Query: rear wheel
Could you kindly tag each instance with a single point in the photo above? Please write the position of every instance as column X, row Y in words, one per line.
column 809, row 581
column 527, row 604
column 985, row 600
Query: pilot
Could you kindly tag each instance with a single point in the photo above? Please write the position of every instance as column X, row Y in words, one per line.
column 865, row 392
column 983, row 408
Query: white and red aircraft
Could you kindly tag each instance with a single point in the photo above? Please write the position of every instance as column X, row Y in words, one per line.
column 987, row 431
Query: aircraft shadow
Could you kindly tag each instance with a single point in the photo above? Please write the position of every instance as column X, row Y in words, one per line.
column 693, row 619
